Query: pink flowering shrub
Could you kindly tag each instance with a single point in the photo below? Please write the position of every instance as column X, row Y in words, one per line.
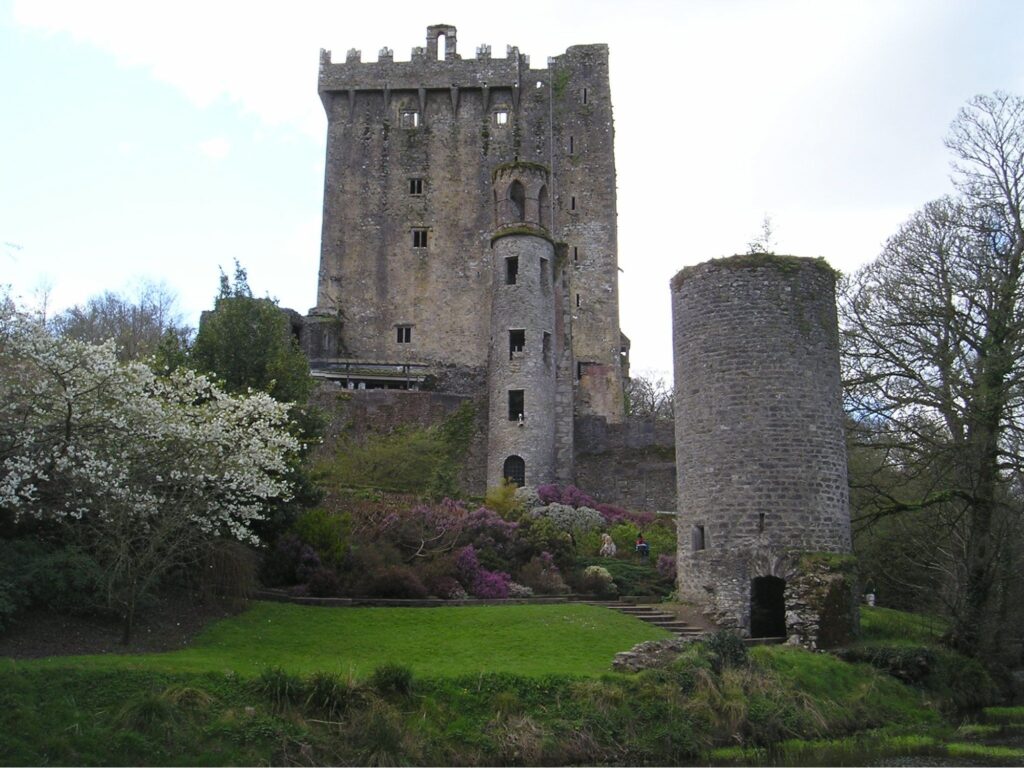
column 615, row 515
column 478, row 581
column 569, row 495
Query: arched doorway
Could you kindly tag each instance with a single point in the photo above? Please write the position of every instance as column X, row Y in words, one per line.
column 767, row 607
column 515, row 470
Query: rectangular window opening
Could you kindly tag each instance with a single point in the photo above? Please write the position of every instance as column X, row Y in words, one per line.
column 584, row 94
column 419, row 238
column 415, row 186
column 404, row 334
column 697, row 538
column 575, row 253
column 760, row 522
column 516, row 342
column 516, row 404
column 572, row 145
column 577, row 299
column 572, row 203
column 410, row 118
column 501, row 117
column 543, row 271
column 547, row 347
column 511, row 270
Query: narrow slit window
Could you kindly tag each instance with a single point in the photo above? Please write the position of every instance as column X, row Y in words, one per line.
column 511, row 270
column 577, row 299
column 543, row 271
column 760, row 522
column 419, row 238
column 584, row 95
column 415, row 186
column 403, row 334
column 547, row 347
column 697, row 538
column 572, row 145
column 410, row 118
column 516, row 404
column 501, row 117
column 572, row 203
column 516, row 342
column 575, row 253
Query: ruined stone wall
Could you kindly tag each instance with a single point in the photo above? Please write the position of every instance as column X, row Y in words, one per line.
column 358, row 414
column 630, row 464
column 759, row 424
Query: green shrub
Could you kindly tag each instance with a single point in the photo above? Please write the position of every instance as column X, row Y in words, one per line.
column 502, row 499
column 331, row 693
column 596, row 580
column 328, row 534
column 727, row 649
column 392, row 678
column 631, row 576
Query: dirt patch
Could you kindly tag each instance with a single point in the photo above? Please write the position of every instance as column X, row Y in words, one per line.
column 169, row 626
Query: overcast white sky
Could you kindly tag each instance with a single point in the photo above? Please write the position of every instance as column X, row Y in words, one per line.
column 159, row 141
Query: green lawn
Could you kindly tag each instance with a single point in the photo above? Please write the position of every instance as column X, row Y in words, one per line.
column 531, row 640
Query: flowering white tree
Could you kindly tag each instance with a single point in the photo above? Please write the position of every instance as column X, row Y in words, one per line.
column 142, row 471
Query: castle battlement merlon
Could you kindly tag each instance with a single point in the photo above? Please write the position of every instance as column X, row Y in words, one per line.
column 422, row 73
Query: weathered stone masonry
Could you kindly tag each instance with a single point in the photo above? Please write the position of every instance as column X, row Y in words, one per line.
column 760, row 453
column 431, row 166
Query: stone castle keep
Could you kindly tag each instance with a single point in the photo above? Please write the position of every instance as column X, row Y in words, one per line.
column 469, row 253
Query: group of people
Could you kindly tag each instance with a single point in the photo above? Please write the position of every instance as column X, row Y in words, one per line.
column 608, row 548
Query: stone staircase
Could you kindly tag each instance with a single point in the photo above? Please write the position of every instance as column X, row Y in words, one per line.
column 652, row 614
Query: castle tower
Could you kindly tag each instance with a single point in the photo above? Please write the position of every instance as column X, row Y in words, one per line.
column 763, row 518
column 522, row 368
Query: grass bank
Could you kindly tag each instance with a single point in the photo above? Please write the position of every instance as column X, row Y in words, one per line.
column 285, row 684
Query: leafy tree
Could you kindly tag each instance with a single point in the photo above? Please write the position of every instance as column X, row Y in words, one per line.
column 139, row 327
column 144, row 473
column 247, row 343
column 934, row 362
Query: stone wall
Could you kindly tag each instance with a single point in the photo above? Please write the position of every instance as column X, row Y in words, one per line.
column 631, row 464
column 358, row 414
column 761, row 456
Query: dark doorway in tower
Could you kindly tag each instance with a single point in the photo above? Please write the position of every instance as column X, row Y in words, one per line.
column 515, row 470
column 767, row 607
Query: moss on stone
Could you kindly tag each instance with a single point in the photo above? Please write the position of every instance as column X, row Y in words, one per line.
column 756, row 260
column 519, row 165
column 521, row 229
column 833, row 561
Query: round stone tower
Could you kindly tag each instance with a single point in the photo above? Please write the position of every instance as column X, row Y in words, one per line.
column 763, row 518
column 521, row 375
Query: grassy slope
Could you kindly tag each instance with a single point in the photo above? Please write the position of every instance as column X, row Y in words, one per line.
column 530, row 640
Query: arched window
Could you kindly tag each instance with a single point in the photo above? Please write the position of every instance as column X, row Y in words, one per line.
column 517, row 196
column 442, row 47
column 515, row 470
column 767, row 607
column 542, row 203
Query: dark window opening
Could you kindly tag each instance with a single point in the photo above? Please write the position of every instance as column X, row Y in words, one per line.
column 697, row 538
column 767, row 607
column 547, row 347
column 511, row 270
column 575, row 253
column 543, row 271
column 415, row 186
column 572, row 145
column 410, row 118
column 542, row 206
column 514, row 470
column 516, row 404
column 419, row 238
column 760, row 522
column 516, row 341
column 584, row 95
column 577, row 299
column 404, row 334
column 572, row 203
column 517, row 196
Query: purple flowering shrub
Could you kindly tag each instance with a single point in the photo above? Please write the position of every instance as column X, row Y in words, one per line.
column 569, row 495
column 478, row 581
column 542, row 575
column 292, row 561
column 616, row 515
